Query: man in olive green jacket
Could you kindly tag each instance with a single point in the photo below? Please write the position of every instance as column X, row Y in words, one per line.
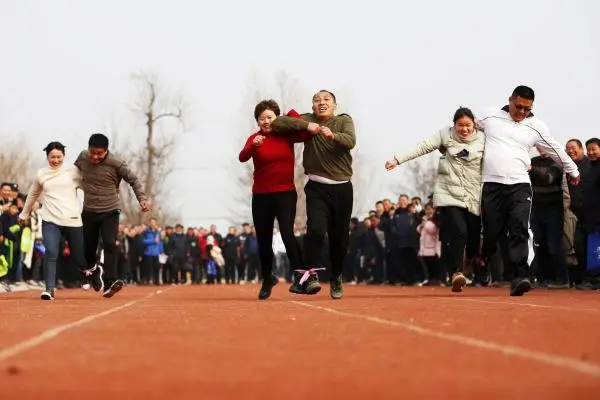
column 329, row 195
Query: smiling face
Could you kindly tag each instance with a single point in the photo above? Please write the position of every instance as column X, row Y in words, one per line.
column 96, row 155
column 464, row 127
column 574, row 150
column 323, row 105
column 265, row 119
column 519, row 108
column 55, row 158
column 593, row 151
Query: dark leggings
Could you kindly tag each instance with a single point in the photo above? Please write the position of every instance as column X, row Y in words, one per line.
column 265, row 208
column 460, row 233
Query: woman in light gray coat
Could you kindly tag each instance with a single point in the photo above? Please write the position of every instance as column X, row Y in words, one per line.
column 457, row 191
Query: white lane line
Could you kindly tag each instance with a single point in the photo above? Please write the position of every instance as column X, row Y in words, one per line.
column 565, row 308
column 508, row 350
column 57, row 330
column 460, row 298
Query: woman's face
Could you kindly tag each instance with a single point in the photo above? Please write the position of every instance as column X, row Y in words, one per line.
column 323, row 105
column 464, row 127
column 55, row 158
column 429, row 211
column 265, row 119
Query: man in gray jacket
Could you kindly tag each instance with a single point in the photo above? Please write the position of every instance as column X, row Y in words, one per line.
column 102, row 173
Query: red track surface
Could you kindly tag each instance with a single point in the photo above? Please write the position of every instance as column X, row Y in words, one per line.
column 218, row 342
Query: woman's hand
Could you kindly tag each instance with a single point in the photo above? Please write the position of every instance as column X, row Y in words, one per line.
column 391, row 164
column 258, row 140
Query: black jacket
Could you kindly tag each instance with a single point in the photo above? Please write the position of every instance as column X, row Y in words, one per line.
column 546, row 181
column 591, row 198
column 576, row 192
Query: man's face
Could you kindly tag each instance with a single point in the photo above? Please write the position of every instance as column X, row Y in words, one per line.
column 402, row 202
column 519, row 108
column 593, row 151
column 574, row 151
column 153, row 224
column 96, row 155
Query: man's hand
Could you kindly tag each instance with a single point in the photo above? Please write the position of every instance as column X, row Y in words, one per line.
column 21, row 220
column 145, row 206
column 575, row 181
column 258, row 140
column 391, row 164
column 326, row 133
column 313, row 128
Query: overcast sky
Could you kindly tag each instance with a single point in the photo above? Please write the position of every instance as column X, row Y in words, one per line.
column 400, row 69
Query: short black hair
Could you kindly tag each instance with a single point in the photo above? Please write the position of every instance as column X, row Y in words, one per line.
column 524, row 92
column 55, row 146
column 98, row 141
column 576, row 141
column 595, row 141
column 329, row 93
column 178, row 226
column 463, row 112
column 6, row 184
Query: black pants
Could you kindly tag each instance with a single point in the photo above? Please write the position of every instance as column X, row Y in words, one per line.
column 151, row 270
column 547, row 223
column 265, row 208
column 434, row 269
column 459, row 230
column 105, row 225
column 507, row 208
column 178, row 270
column 328, row 208
column 578, row 272
column 230, row 264
column 253, row 267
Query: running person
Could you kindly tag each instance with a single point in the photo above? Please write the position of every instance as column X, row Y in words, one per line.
column 273, row 191
column 457, row 191
column 60, row 212
column 329, row 195
column 511, row 132
column 102, row 174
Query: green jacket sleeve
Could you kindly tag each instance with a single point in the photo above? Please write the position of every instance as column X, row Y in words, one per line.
column 346, row 136
column 284, row 124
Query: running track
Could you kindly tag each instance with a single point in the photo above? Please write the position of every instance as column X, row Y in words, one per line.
column 218, row 342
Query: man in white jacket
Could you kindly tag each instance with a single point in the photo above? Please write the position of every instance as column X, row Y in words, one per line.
column 511, row 132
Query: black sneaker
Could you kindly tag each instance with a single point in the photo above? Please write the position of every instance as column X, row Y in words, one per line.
column 113, row 288
column 336, row 290
column 48, row 294
column 520, row 286
column 305, row 282
column 267, row 286
column 94, row 278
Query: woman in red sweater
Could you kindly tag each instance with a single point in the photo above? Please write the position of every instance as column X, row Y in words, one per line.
column 273, row 192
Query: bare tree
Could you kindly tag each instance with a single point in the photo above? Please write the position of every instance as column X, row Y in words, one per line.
column 16, row 164
column 159, row 120
column 419, row 176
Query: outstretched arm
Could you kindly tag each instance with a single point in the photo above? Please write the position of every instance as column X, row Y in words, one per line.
column 555, row 151
column 131, row 178
column 425, row 147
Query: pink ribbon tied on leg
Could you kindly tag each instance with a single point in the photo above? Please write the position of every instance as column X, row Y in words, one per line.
column 306, row 273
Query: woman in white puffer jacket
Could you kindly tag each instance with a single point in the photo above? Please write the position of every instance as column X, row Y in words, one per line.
column 457, row 191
